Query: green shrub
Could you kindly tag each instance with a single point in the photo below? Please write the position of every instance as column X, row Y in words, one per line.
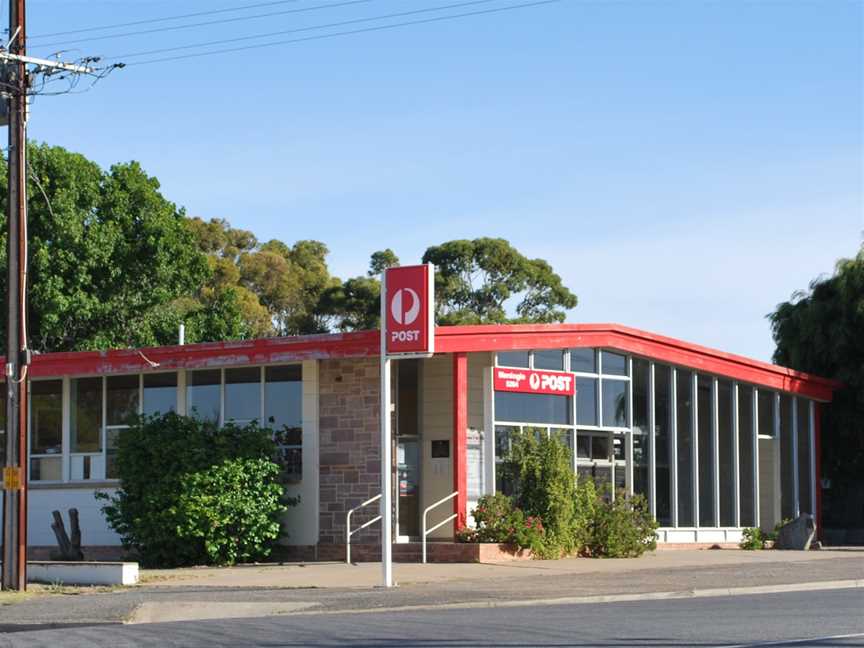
column 752, row 539
column 541, row 470
column 498, row 521
column 192, row 492
column 622, row 528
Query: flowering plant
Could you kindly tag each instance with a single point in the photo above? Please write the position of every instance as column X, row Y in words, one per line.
column 497, row 520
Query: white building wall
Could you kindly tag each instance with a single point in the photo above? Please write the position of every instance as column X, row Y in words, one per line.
column 436, row 423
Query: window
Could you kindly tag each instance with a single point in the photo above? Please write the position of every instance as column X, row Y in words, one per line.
column 121, row 408
column 283, row 412
column 513, row 359
column 726, row 451
column 503, row 437
column 614, row 364
column 586, row 401
column 641, row 449
column 46, row 430
column 583, row 361
column 745, row 456
column 243, row 394
column 532, row 408
column 615, row 403
column 160, row 393
column 706, row 451
column 684, row 424
column 86, row 423
column 787, row 465
column 804, row 500
column 766, row 413
column 662, row 442
column 203, row 394
column 549, row 359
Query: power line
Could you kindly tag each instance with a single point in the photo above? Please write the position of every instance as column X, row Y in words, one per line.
column 167, row 18
column 222, row 21
column 342, row 23
column 349, row 32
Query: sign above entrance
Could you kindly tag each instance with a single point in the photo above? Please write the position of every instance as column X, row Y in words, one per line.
column 529, row 381
column 409, row 297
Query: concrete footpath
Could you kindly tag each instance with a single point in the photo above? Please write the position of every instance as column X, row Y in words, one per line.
column 328, row 588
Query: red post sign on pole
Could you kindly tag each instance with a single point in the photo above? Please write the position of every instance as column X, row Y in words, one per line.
column 410, row 302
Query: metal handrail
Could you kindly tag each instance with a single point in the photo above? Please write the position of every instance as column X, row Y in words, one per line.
column 440, row 524
column 349, row 532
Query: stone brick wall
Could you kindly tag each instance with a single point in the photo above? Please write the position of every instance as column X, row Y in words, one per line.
column 349, row 447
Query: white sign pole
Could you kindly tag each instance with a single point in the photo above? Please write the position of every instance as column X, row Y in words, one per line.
column 386, row 454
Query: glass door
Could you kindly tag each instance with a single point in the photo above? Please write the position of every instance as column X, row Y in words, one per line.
column 408, row 488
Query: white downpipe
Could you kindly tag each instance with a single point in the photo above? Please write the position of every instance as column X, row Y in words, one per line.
column 349, row 532
column 426, row 531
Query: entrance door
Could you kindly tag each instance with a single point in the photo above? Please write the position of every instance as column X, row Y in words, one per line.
column 408, row 488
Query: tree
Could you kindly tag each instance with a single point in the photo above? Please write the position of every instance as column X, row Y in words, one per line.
column 475, row 281
column 110, row 259
column 821, row 331
column 355, row 304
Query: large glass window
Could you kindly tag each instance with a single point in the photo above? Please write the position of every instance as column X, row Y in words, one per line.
column 727, row 453
column 512, row 359
column 705, row 411
column 532, row 408
column 641, row 449
column 283, row 411
column 586, row 401
column 615, row 403
column 766, row 413
column 583, row 360
column 86, row 423
column 804, row 500
column 614, row 364
column 121, row 408
column 243, row 394
column 160, row 393
column 787, row 459
column 46, row 430
column 552, row 359
column 745, row 456
column 662, row 444
column 203, row 394
column 684, row 395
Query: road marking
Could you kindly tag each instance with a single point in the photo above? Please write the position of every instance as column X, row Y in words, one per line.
column 787, row 642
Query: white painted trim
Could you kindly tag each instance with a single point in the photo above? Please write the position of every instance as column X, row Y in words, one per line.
column 757, row 517
column 736, row 435
column 673, row 444
column 652, row 446
column 489, row 430
column 715, row 440
column 694, row 445
column 778, row 462
column 628, row 438
column 812, row 443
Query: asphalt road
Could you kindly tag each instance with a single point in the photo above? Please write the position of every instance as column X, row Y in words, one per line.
column 824, row 618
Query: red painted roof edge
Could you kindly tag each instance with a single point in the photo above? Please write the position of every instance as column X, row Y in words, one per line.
column 449, row 339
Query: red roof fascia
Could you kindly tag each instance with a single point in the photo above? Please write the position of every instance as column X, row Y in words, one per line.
column 209, row 354
column 614, row 336
column 448, row 339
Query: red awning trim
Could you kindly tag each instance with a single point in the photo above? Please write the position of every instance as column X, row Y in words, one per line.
column 449, row 339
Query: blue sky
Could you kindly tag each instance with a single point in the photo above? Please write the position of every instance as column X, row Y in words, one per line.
column 684, row 166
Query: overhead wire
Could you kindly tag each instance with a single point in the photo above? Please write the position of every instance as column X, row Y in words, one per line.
column 150, row 21
column 222, row 21
column 376, row 28
column 295, row 30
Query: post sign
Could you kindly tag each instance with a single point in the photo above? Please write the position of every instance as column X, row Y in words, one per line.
column 409, row 296
column 531, row 381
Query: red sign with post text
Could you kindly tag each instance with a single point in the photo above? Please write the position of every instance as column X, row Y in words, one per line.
column 409, row 299
column 530, row 381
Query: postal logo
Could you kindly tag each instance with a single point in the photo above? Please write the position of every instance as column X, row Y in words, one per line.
column 405, row 306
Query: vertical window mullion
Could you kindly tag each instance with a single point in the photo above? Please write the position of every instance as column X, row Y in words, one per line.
column 812, row 445
column 694, row 445
column 673, row 445
column 736, row 466
column 715, row 441
column 652, row 455
column 628, row 440
column 221, row 397
column 104, row 430
column 66, row 420
column 261, row 385
column 757, row 513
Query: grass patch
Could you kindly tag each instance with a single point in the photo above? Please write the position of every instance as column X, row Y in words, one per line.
column 11, row 598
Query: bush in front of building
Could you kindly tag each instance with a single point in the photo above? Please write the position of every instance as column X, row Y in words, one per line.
column 498, row 521
column 622, row 528
column 192, row 492
column 752, row 539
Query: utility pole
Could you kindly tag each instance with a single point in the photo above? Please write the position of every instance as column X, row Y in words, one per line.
column 17, row 353
column 16, row 80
